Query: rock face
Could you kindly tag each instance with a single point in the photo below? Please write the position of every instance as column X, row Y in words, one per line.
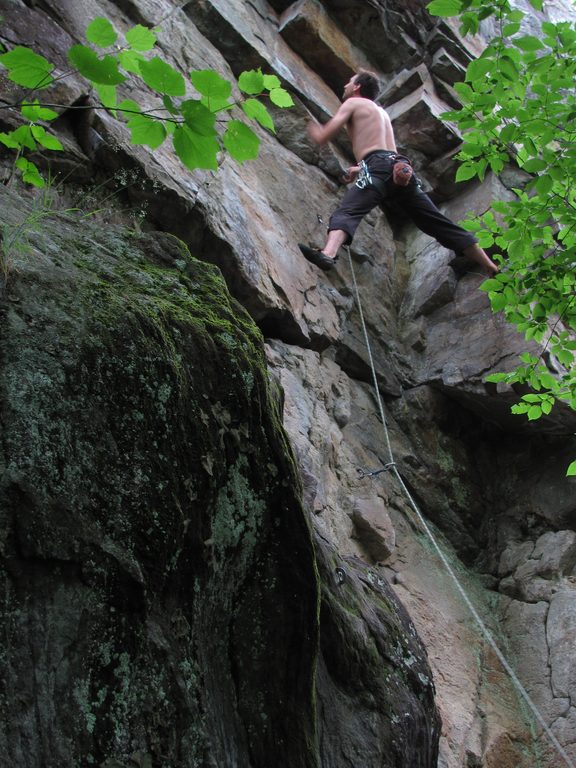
column 160, row 580
column 184, row 585
column 150, row 516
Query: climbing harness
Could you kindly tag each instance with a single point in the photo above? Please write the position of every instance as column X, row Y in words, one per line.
column 391, row 466
column 364, row 179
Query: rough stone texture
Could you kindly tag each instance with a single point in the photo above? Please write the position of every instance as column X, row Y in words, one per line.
column 366, row 668
column 150, row 515
column 374, row 528
column 311, row 33
column 491, row 485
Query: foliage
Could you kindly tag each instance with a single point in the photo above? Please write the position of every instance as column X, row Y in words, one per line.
column 191, row 123
column 519, row 105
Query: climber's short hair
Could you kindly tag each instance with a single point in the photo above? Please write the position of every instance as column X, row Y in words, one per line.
column 369, row 84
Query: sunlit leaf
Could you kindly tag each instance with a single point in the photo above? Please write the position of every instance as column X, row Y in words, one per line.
column 141, row 38
column 27, row 68
column 256, row 110
column 45, row 139
column 271, row 82
column 107, row 95
column 101, row 33
column 163, row 78
column 241, row 141
column 198, row 117
column 146, row 130
column 195, row 150
column 104, row 71
column 130, row 61
column 444, row 7
column 281, row 98
column 35, row 112
column 30, row 173
column 251, row 81
column 215, row 89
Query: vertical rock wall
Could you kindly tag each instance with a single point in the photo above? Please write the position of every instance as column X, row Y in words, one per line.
column 491, row 487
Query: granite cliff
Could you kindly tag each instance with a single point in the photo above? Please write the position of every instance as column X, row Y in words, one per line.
column 194, row 571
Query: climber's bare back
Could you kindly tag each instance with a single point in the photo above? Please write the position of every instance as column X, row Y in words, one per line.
column 368, row 126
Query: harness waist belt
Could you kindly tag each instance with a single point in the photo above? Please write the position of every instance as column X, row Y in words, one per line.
column 382, row 152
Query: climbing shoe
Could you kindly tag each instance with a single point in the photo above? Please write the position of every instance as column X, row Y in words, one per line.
column 318, row 258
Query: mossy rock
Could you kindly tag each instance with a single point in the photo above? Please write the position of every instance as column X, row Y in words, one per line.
column 161, row 592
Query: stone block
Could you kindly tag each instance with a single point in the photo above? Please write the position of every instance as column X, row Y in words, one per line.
column 446, row 36
column 374, row 528
column 405, row 82
column 417, row 123
column 312, row 34
column 514, row 554
column 280, row 5
column 556, row 551
column 446, row 67
column 379, row 31
column 560, row 634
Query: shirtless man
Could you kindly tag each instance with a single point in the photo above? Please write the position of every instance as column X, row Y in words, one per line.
column 374, row 148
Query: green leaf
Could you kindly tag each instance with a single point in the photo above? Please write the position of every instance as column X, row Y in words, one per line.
column 534, row 413
column 27, row 68
column 565, row 357
column 271, row 82
column 170, row 106
column 515, row 16
column 498, row 301
column 534, row 165
column 128, row 106
column 491, row 285
column 30, row 173
column 101, row 33
column 35, row 112
column 478, row 68
column 215, row 89
column 466, row 171
column 536, row 4
column 529, row 43
column 23, row 135
column 544, row 184
column 161, row 77
column 549, row 28
column 464, row 91
column 45, row 139
column 257, row 111
column 104, row 71
column 571, row 471
column 281, row 98
column 444, row 7
column 130, row 61
column 241, row 141
column 195, row 150
column 146, row 130
column 107, row 94
column 251, row 81
column 198, row 117
column 141, row 38
column 211, row 84
column 8, row 140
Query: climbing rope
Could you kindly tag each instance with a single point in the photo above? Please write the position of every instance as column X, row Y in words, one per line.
column 391, row 466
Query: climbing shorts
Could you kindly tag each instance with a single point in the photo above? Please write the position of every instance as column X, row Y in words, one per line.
column 377, row 187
